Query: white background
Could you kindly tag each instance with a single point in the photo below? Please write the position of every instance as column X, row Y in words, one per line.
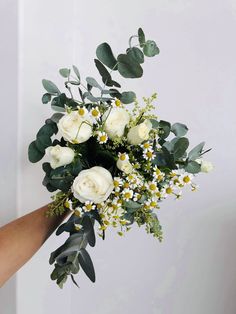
column 194, row 270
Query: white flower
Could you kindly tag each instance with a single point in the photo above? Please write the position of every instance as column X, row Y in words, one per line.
column 95, row 113
column 82, row 111
column 75, row 128
column 115, row 120
column 94, row 184
column 60, row 156
column 139, row 133
column 102, row 137
column 124, row 165
column 127, row 194
column 206, row 166
column 88, row 206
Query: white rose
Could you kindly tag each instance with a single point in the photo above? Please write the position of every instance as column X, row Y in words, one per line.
column 60, row 156
column 139, row 133
column 124, row 165
column 94, row 184
column 115, row 121
column 75, row 128
column 206, row 166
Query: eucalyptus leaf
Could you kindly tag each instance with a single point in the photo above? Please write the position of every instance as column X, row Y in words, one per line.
column 165, row 128
column 196, row 151
column 46, row 98
column 76, row 72
column 127, row 97
column 136, row 54
column 141, row 37
column 180, row 147
column 179, row 129
column 34, row 154
column 128, row 67
column 50, row 87
column 150, row 48
column 192, row 167
column 88, row 230
column 105, row 55
column 155, row 124
column 65, row 72
column 86, row 264
column 92, row 82
column 56, row 117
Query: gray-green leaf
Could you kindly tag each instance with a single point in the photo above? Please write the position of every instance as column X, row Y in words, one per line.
column 128, row 67
column 65, row 72
column 179, row 129
column 150, row 48
column 105, row 55
column 50, row 87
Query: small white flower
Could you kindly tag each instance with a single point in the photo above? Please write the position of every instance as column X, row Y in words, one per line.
column 78, row 212
column 88, row 206
column 82, row 111
column 152, row 186
column 95, row 113
column 206, row 166
column 148, row 154
column 186, row 178
column 127, row 194
column 78, row 227
column 102, row 137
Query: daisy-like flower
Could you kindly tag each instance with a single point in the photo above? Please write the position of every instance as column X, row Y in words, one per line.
column 167, row 189
column 68, row 204
column 146, row 146
column 82, row 111
column 123, row 156
column 78, row 227
column 148, row 154
column 127, row 194
column 78, row 212
column 95, row 113
column 136, row 197
column 88, row 206
column 186, row 178
column 152, row 187
column 102, row 137
column 118, row 182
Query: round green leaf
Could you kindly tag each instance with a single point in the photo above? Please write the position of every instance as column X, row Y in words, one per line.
column 128, row 67
column 141, row 37
column 136, row 54
column 105, row 55
column 193, row 167
column 179, row 129
column 127, row 97
column 34, row 154
column 46, row 98
column 180, row 147
column 150, row 48
column 65, row 72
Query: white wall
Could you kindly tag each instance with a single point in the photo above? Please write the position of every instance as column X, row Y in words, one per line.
column 193, row 270
column 8, row 131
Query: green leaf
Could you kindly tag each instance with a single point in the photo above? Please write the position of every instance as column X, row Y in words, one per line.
column 88, row 230
column 192, row 167
column 65, row 72
column 42, row 142
column 150, row 48
column 165, row 128
column 180, row 147
column 179, row 129
column 56, row 117
column 50, row 87
column 58, row 103
column 46, row 98
column 128, row 67
column 105, row 55
column 196, row 151
column 47, row 130
column 86, row 264
column 127, row 97
column 141, row 37
column 34, row 154
column 76, row 72
column 92, row 82
column 132, row 205
column 136, row 54
column 155, row 123
column 106, row 77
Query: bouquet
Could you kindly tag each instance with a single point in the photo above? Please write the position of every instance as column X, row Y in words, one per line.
column 110, row 160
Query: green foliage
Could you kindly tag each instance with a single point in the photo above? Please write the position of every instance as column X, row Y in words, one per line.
column 179, row 129
column 34, row 154
column 50, row 87
column 164, row 129
column 127, row 97
column 46, row 98
column 196, row 151
column 129, row 67
column 105, row 55
column 150, row 48
column 136, row 54
column 180, row 147
column 65, row 72
column 141, row 37
column 192, row 167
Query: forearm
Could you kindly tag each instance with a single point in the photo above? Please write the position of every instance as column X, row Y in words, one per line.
column 21, row 238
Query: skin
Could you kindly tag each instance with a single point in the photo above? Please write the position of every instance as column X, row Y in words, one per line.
column 21, row 239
